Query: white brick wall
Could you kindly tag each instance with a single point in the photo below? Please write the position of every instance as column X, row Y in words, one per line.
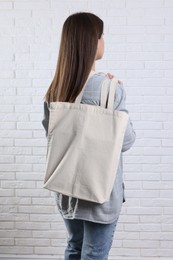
column 139, row 50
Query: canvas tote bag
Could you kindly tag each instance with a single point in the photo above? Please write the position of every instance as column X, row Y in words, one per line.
column 84, row 146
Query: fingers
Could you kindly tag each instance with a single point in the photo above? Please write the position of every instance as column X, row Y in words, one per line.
column 110, row 76
column 120, row 82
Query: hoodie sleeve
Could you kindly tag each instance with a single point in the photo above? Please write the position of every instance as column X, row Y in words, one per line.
column 119, row 104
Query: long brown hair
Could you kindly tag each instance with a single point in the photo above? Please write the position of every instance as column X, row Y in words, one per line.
column 77, row 52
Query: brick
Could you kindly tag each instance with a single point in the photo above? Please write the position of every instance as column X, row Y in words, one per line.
column 155, row 185
column 14, row 117
column 144, row 56
column 125, row 252
column 39, row 134
column 144, row 4
column 7, row 175
column 16, row 167
column 168, row 3
column 8, row 208
column 18, row 184
column 29, row 176
column 29, row 108
column 34, row 192
column 15, row 201
column 33, row 74
column 133, row 185
column 44, row 217
column 29, row 125
column 132, row 202
column 156, row 252
column 30, row 91
column 5, row 5
column 32, row 226
column 13, row 217
column 49, row 250
column 148, row 142
column 31, row 4
column 58, row 242
column 7, row 225
column 160, row 202
column 6, row 241
column 30, row 142
column 157, row 168
column 150, row 219
column 145, row 21
column 155, row 135
column 7, row 108
column 166, row 194
column 141, row 244
column 30, row 159
column 32, row 242
column 124, row 11
column 143, row 227
column 150, row 116
column 168, row 38
column 8, row 92
column 16, row 250
column 145, row 210
column 148, row 125
column 47, row 234
column 7, row 125
column 15, row 150
column 36, row 209
column 144, row 177
column 6, row 142
column 167, row 177
column 6, row 192
column 15, row 134
column 142, row 194
column 7, row 159
column 43, row 201
column 6, row 74
column 37, row 117
column 16, row 100
column 20, row 83
column 151, row 235
column 126, row 235
column 39, row 167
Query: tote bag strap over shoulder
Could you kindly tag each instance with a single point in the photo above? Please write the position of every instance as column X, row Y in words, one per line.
column 112, row 90
column 104, row 93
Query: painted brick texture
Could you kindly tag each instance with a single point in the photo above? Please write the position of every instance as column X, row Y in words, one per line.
column 139, row 51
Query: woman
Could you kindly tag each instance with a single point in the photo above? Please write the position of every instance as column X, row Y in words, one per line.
column 90, row 225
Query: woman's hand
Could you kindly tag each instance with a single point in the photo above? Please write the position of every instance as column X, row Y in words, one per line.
column 110, row 76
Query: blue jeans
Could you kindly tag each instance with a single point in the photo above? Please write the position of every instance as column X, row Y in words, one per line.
column 88, row 240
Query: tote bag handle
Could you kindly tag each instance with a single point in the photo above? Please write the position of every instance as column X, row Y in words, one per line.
column 104, row 92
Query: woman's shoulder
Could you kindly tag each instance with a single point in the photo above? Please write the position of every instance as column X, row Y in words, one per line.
column 97, row 79
column 98, row 75
column 93, row 88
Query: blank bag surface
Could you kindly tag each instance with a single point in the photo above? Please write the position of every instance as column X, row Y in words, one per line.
column 84, row 147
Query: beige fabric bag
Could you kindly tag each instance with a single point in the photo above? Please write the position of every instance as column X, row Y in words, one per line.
column 84, row 146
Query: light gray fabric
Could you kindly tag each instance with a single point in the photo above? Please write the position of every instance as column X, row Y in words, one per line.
column 109, row 211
